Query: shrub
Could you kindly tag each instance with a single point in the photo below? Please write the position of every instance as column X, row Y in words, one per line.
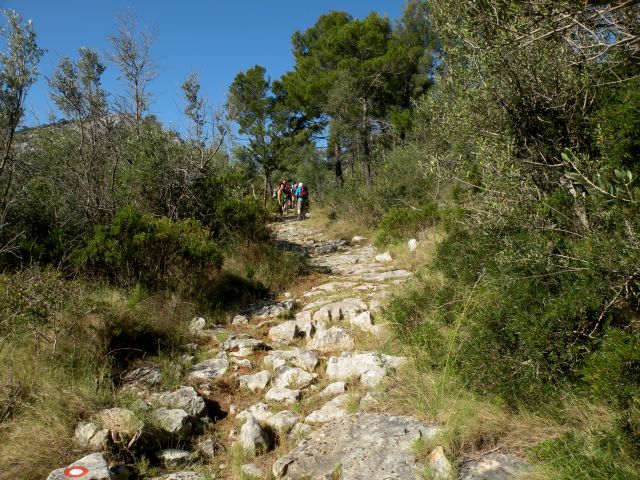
column 156, row 252
column 401, row 223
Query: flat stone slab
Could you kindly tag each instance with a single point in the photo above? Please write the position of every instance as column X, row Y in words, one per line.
column 364, row 446
column 495, row 466
column 91, row 467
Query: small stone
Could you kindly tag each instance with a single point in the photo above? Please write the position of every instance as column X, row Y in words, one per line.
column 252, row 471
column 243, row 347
column 496, row 466
column 363, row 322
column 196, row 325
column 412, row 244
column 283, row 395
column 88, row 435
column 256, row 382
column 208, row 370
column 206, row 448
column 384, row 258
column 121, row 423
column 331, row 410
column 240, row 320
column 358, row 239
column 175, row 421
column 283, row 422
column 333, row 389
column 332, row 340
column 286, row 377
column 253, row 437
column 440, row 467
column 173, row 457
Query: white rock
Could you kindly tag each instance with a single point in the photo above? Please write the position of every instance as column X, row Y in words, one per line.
column 241, row 362
column 412, row 244
column 440, row 467
column 174, row 421
column 363, row 322
column 332, row 340
column 243, row 347
column 342, row 310
column 369, row 368
column 211, row 369
column 253, row 437
column 358, row 239
column 89, row 435
column 331, row 410
column 173, row 457
column 259, row 411
column 185, row 398
column 286, row 377
column 285, row 332
column 305, row 359
column 196, row 325
column 333, row 389
column 95, row 463
column 255, row 382
column 283, row 395
column 384, row 258
column 240, row 320
column 282, row 422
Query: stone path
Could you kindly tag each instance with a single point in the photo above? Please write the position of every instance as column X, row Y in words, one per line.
column 291, row 383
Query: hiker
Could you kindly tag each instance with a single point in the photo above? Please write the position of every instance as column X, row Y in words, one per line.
column 284, row 192
column 302, row 193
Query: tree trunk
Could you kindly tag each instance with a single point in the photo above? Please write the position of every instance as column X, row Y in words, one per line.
column 337, row 159
column 267, row 186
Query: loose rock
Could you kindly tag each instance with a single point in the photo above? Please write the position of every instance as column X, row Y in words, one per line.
column 305, row 359
column 240, row 320
column 331, row 410
column 333, row 389
column 369, row 368
column 283, row 422
column 174, row 422
column 185, row 398
column 208, row 370
column 94, row 465
column 173, row 457
column 495, row 466
column 283, row 395
column 253, row 437
column 253, row 471
column 332, row 340
column 285, row 332
column 286, row 377
column 256, row 382
column 260, row 411
column 440, row 467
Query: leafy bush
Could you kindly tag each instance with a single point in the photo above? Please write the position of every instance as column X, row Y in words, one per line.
column 156, row 252
column 400, row 223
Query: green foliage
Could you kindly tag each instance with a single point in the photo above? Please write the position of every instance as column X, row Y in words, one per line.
column 157, row 252
column 400, row 223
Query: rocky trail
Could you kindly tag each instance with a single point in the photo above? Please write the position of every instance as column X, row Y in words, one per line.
column 289, row 389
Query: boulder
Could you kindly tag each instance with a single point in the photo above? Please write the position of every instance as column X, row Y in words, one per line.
column 294, row 377
column 333, row 389
column 494, row 466
column 196, row 325
column 332, row 340
column 174, row 422
column 439, row 466
column 285, row 332
column 282, row 422
column 240, row 320
column 91, row 467
column 173, row 457
column 208, row 370
column 256, row 382
column 331, row 410
column 305, row 359
column 260, row 411
column 362, row 446
column 283, row 395
column 384, row 258
column 368, row 368
column 88, row 435
column 185, row 398
column 123, row 425
column 252, row 471
column 253, row 437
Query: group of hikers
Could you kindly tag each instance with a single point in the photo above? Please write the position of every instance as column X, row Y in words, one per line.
column 291, row 194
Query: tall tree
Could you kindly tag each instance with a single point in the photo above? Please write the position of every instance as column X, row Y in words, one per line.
column 18, row 72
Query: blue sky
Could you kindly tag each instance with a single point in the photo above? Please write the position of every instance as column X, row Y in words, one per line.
column 217, row 39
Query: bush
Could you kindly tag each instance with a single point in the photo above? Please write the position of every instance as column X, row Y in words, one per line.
column 155, row 252
column 400, row 223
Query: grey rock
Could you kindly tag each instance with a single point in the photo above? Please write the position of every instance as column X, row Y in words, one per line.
column 174, row 422
column 88, row 435
column 332, row 410
column 208, row 370
column 362, row 446
column 240, row 320
column 148, row 375
column 256, row 382
column 370, row 401
column 384, row 257
column 253, row 437
column 283, row 395
column 286, row 332
column 173, row 457
column 95, row 466
column 495, row 466
column 253, row 471
column 326, row 249
column 282, row 422
column 333, row 389
column 358, row 239
column 342, row 310
column 292, row 377
column 265, row 310
column 333, row 340
column 368, row 368
column 299, row 431
column 206, row 448
column 439, row 466
column 305, row 359
column 386, row 276
column 196, row 325
column 260, row 411
column 185, row 398
column 243, row 347
column 364, row 322
column 123, row 425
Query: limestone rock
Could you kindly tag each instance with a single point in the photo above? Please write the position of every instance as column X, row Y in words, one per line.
column 88, row 435
column 363, row 446
column 342, row 310
column 283, row 395
column 412, row 245
column 141, row 377
column 240, row 320
column 332, row 340
column 358, row 239
column 300, row 430
column 173, row 457
column 370, row 401
column 252, row 471
column 266, row 310
column 333, row 389
column 91, row 467
column 256, row 381
column 174, row 421
column 185, row 398
column 123, row 425
column 495, row 466
column 440, row 467
column 305, row 323
column 326, row 249
column 331, row 410
column 385, row 276
column 369, row 368
column 243, row 347
column 282, row 422
column 196, row 325
column 384, row 258
column 305, row 359
column 253, row 437
column 260, row 411
column 364, row 322
column 208, row 370
column 286, row 377
column 206, row 448
column 285, row 332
